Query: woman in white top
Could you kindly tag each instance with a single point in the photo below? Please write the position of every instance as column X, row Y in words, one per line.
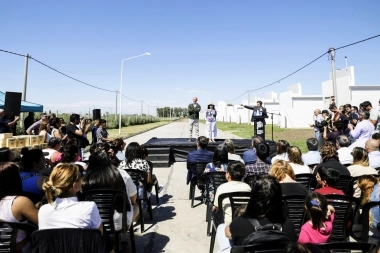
column 295, row 160
column 45, row 131
column 281, row 148
column 231, row 151
column 15, row 208
column 66, row 211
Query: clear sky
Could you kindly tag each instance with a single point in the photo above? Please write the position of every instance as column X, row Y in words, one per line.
column 216, row 49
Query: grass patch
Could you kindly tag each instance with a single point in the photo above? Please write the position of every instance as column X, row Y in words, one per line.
column 296, row 137
column 131, row 130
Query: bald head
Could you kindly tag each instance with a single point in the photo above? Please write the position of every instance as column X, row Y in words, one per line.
column 372, row 145
column 317, row 112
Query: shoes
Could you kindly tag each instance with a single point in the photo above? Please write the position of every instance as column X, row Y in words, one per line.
column 160, row 189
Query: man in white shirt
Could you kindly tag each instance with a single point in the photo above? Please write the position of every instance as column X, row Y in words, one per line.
column 313, row 156
column 372, row 148
column 364, row 129
column 344, row 152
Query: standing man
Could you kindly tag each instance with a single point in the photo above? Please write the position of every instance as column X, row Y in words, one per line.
column 6, row 124
column 93, row 131
column 34, row 129
column 318, row 118
column 193, row 110
column 28, row 121
column 102, row 134
column 258, row 110
column 75, row 133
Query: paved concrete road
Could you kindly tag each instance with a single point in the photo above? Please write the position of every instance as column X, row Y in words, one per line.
column 176, row 227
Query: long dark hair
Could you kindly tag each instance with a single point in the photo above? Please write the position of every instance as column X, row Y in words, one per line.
column 316, row 205
column 102, row 175
column 30, row 157
column 133, row 151
column 10, row 180
column 220, row 155
column 266, row 199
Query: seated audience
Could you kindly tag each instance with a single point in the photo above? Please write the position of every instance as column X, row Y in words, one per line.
column 372, row 147
column 120, row 145
column 295, row 160
column 6, row 155
column 313, row 156
column 318, row 229
column 232, row 156
column 101, row 174
column 63, row 209
column 260, row 167
column 13, row 206
column 54, row 145
column 284, row 173
column 249, row 156
column 33, row 161
column 70, row 155
column 281, row 148
column 327, row 179
column 344, row 153
column 234, row 175
column 369, row 186
column 330, row 159
column 219, row 163
column 360, row 166
column 199, row 155
column 265, row 205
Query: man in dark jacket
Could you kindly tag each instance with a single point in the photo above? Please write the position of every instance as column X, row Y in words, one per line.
column 199, row 155
column 193, row 110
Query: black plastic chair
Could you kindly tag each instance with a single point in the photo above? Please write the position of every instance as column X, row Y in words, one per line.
column 345, row 210
column 345, row 184
column 106, row 201
column 344, row 246
column 155, row 182
column 360, row 232
column 306, row 179
column 8, row 234
column 268, row 247
column 73, row 240
column 197, row 168
column 139, row 176
column 236, row 199
column 295, row 209
column 213, row 179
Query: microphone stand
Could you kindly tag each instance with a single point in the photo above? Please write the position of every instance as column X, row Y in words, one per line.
column 271, row 116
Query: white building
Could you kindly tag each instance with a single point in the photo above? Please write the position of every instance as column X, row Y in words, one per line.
column 291, row 109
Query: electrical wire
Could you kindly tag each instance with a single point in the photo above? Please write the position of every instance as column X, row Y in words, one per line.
column 360, row 41
column 12, row 53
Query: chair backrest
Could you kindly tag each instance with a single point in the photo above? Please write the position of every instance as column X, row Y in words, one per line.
column 305, row 179
column 270, row 247
column 236, row 199
column 71, row 240
column 295, row 210
column 105, row 200
column 365, row 219
column 198, row 168
column 139, row 176
column 8, row 234
column 347, row 246
column 214, row 179
column 345, row 210
column 345, row 184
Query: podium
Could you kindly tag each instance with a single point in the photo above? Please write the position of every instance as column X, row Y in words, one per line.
column 259, row 126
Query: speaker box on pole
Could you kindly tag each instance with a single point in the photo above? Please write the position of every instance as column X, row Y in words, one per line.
column 12, row 104
column 96, row 114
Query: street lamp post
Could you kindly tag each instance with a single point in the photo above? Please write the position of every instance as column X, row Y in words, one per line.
column 121, row 84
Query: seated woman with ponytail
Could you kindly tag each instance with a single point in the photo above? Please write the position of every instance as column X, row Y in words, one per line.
column 63, row 209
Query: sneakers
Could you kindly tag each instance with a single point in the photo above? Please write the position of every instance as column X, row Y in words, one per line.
column 160, row 189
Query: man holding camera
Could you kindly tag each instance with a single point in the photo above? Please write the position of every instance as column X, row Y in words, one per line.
column 318, row 118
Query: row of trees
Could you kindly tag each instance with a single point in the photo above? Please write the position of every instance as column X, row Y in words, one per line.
column 173, row 111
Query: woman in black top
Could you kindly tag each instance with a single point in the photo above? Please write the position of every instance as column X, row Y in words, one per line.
column 265, row 205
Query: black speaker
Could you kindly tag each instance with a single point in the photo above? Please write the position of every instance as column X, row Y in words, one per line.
column 96, row 114
column 12, row 104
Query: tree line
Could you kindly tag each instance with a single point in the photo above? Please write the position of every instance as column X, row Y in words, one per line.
column 175, row 112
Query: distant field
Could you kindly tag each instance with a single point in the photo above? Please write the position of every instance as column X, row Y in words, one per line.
column 295, row 136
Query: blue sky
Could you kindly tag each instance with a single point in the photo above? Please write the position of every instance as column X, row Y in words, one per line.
column 222, row 48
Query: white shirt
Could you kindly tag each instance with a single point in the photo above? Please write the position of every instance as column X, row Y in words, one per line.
column 69, row 213
column 235, row 157
column 283, row 156
column 357, row 171
column 374, row 159
column 345, row 156
column 300, row 169
column 131, row 191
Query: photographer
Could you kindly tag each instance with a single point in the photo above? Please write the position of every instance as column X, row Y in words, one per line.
column 337, row 130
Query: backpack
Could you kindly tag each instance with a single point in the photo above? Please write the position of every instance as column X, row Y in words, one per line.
column 267, row 233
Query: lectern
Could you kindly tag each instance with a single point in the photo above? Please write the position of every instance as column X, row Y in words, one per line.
column 259, row 126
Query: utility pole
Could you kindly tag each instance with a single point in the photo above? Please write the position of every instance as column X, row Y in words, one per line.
column 23, row 96
column 116, row 106
column 332, row 55
column 141, row 107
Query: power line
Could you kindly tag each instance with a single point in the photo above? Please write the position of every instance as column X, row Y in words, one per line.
column 12, row 53
column 360, row 41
